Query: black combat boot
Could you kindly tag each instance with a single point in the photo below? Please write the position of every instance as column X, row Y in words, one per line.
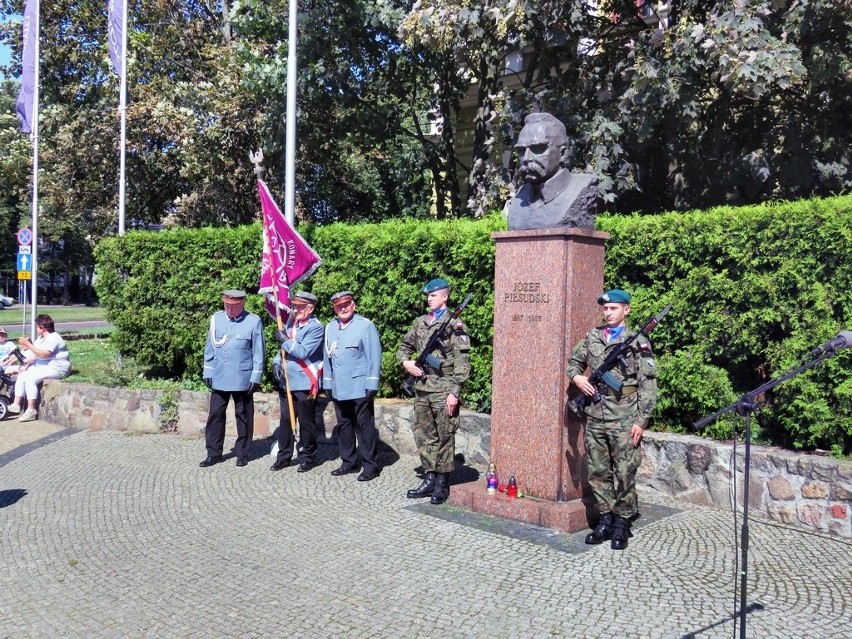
column 425, row 489
column 442, row 488
column 602, row 532
column 621, row 533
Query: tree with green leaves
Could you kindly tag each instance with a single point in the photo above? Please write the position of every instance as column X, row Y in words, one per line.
column 78, row 145
column 206, row 87
column 674, row 105
column 685, row 105
column 14, row 198
column 360, row 99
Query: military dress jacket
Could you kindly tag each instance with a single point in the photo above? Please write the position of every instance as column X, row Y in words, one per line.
column 234, row 353
column 454, row 359
column 352, row 358
column 305, row 345
column 638, row 373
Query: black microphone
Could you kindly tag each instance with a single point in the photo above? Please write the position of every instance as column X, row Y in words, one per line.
column 843, row 340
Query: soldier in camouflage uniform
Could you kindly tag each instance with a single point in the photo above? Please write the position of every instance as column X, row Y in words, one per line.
column 614, row 426
column 436, row 406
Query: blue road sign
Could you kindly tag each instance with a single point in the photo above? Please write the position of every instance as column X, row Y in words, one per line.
column 25, row 261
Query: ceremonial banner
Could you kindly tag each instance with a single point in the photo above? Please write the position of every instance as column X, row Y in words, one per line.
column 24, row 104
column 115, row 33
column 287, row 258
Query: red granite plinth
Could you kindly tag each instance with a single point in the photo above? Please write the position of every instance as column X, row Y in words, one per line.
column 546, row 285
column 569, row 516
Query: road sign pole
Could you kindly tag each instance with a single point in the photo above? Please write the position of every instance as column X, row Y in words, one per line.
column 22, row 295
column 35, row 279
column 28, row 262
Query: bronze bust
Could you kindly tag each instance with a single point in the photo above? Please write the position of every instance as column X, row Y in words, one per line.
column 551, row 195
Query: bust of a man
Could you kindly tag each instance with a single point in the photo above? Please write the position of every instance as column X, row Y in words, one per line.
column 551, row 196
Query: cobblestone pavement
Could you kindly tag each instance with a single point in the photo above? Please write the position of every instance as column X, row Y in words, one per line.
column 114, row 535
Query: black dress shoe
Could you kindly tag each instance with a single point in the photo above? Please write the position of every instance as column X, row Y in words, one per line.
column 344, row 470
column 242, row 461
column 365, row 476
column 279, row 465
column 305, row 466
column 210, row 461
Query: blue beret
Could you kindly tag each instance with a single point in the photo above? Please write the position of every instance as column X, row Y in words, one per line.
column 435, row 285
column 616, row 296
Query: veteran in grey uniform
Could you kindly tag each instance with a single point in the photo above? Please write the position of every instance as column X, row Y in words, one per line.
column 615, row 424
column 350, row 376
column 233, row 365
column 301, row 343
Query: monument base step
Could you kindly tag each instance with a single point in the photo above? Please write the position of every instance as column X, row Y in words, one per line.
column 569, row 516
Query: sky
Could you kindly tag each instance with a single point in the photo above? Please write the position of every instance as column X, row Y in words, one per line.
column 5, row 52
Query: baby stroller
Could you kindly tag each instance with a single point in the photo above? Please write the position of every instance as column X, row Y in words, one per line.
column 7, row 387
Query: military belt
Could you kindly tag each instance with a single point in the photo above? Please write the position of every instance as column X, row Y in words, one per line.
column 624, row 392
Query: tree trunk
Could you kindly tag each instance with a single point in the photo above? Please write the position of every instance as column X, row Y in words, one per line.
column 226, row 22
column 89, row 300
column 66, row 276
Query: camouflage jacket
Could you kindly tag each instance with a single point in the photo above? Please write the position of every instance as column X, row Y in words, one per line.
column 455, row 362
column 638, row 371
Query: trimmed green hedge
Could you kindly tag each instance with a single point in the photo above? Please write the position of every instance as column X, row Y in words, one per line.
column 159, row 289
column 387, row 264
column 753, row 291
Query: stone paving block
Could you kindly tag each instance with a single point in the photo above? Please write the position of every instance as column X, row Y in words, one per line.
column 124, row 535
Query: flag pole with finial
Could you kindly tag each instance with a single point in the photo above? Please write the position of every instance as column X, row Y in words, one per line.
column 259, row 170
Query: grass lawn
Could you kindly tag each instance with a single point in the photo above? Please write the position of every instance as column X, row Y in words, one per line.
column 92, row 360
column 95, row 361
column 13, row 319
column 13, row 315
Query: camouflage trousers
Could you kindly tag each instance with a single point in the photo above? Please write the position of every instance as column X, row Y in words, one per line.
column 435, row 432
column 612, row 464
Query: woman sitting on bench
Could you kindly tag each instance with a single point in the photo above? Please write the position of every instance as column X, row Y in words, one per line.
column 46, row 358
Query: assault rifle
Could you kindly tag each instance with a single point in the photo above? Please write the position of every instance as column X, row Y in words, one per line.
column 602, row 377
column 436, row 340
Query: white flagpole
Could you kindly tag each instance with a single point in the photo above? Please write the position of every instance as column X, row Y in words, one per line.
column 34, row 273
column 122, row 102
column 290, row 131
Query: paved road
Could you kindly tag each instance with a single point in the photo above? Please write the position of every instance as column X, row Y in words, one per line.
column 105, row 534
column 79, row 326
column 61, row 327
column 23, row 437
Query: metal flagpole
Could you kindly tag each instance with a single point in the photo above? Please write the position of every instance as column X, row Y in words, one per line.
column 290, row 145
column 123, row 111
column 34, row 281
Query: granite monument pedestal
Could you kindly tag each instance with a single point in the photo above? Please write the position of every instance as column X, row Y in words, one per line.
column 546, row 285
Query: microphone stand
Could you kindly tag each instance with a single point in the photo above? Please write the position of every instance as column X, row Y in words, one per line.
column 745, row 406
